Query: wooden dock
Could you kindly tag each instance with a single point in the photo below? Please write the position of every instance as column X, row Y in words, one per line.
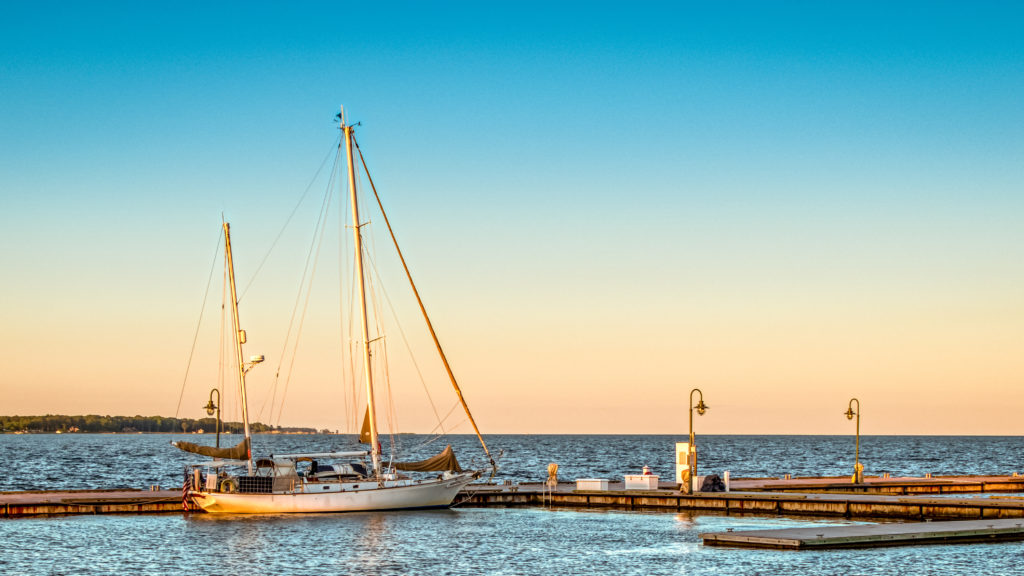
column 53, row 503
column 871, row 535
column 897, row 499
column 884, row 485
column 667, row 499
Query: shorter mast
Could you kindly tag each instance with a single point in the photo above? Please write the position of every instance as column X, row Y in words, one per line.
column 239, row 340
column 371, row 412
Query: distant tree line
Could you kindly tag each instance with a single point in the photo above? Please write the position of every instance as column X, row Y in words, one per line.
column 129, row 424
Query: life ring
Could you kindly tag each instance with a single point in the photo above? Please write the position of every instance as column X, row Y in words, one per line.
column 229, row 485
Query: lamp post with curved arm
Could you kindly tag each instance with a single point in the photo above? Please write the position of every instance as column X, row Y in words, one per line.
column 692, row 456
column 858, row 469
column 210, row 407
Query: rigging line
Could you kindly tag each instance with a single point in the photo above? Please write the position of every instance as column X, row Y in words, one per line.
column 341, row 313
column 446, row 416
column 425, row 443
column 195, row 337
column 353, row 389
column 376, row 288
column 288, row 221
column 355, row 353
column 430, row 326
column 385, row 364
column 222, row 344
column 457, row 424
column 431, row 440
column 435, row 437
column 392, row 414
column 314, row 241
column 348, row 368
column 392, row 419
column 372, row 292
column 229, row 406
column 433, row 432
column 318, row 243
column 405, row 340
column 356, row 374
column 348, row 394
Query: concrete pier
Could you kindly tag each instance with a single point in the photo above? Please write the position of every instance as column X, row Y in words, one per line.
column 871, row 535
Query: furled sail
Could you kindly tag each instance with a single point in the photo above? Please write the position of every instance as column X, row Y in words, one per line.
column 440, row 463
column 364, row 432
column 239, row 451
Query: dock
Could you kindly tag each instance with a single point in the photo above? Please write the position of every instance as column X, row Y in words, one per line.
column 54, row 503
column 885, row 485
column 907, row 499
column 822, row 504
column 871, row 535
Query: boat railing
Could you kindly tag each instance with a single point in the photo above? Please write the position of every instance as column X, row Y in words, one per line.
column 214, row 479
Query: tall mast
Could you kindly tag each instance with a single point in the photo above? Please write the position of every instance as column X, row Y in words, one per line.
column 374, row 444
column 239, row 340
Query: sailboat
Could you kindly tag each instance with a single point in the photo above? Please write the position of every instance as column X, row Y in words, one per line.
column 235, row 482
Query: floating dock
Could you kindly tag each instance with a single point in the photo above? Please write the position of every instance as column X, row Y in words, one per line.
column 871, row 535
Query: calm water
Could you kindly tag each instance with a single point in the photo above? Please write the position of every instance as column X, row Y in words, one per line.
column 461, row 541
column 76, row 461
column 474, row 541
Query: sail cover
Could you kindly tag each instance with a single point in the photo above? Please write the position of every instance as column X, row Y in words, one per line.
column 239, row 451
column 443, row 461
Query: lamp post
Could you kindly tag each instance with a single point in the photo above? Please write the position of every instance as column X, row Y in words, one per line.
column 858, row 470
column 210, row 407
column 692, row 456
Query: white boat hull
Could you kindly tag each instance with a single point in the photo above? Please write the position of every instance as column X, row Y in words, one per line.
column 393, row 495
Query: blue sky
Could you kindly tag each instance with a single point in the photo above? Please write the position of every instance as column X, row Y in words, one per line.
column 578, row 183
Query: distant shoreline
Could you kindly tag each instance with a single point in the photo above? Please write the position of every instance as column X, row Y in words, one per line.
column 96, row 424
column 203, row 433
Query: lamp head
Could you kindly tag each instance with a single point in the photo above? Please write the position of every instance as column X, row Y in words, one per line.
column 210, row 407
column 850, row 413
column 701, row 407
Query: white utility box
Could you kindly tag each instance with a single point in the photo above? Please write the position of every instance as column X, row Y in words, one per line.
column 641, row 482
column 599, row 484
column 684, row 452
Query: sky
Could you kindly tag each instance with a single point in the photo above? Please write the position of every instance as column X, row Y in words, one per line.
column 784, row 204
